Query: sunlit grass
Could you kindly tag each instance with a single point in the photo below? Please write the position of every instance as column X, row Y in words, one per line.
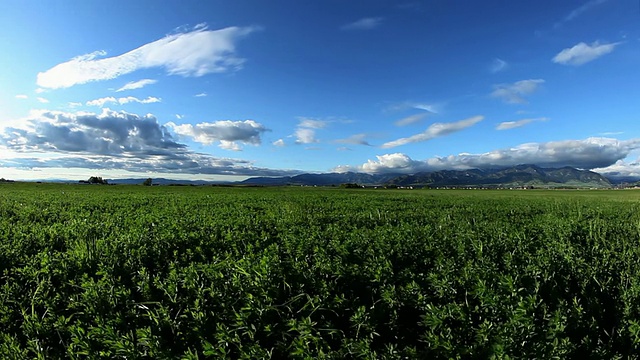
column 170, row 272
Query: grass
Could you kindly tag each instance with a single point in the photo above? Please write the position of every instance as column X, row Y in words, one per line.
column 225, row 272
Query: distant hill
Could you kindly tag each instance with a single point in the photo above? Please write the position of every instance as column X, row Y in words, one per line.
column 616, row 179
column 520, row 175
column 163, row 181
column 326, row 179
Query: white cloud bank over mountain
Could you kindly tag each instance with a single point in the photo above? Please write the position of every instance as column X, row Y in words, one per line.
column 591, row 153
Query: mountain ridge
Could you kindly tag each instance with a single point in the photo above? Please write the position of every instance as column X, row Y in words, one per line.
column 514, row 176
column 519, row 175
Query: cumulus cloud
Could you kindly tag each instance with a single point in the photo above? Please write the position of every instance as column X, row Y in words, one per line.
column 583, row 53
column 21, row 96
column 515, row 124
column 108, row 133
column 411, row 119
column 137, row 84
column 229, row 145
column 74, row 104
column 396, row 162
column 363, row 24
column 187, row 163
column 200, row 95
column 193, row 53
column 42, row 100
column 227, row 132
column 515, row 93
column 621, row 169
column 114, row 141
column 305, row 132
column 591, row 153
column 357, row 139
column 305, row 136
column 123, row 100
column 434, row 131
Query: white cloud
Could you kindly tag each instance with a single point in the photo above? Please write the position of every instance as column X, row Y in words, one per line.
column 363, row 24
column 498, row 65
column 396, row 162
column 100, row 102
column 279, row 143
column 610, row 133
column 306, row 130
column 515, row 93
column 200, row 95
column 148, row 100
column 434, row 131
column 412, row 119
column 591, row 153
column 43, row 100
column 583, row 53
column 200, row 26
column 582, row 9
column 229, row 145
column 110, row 141
column 305, row 136
column 123, row 100
column 515, row 124
column 312, row 123
column 21, row 96
column 108, row 133
column 357, row 139
column 137, row 84
column 195, row 53
column 426, row 107
column 621, row 169
column 74, row 104
column 225, row 131
column 178, row 116
column 431, row 108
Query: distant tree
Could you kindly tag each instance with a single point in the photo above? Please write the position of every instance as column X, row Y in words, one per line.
column 97, row 180
column 350, row 186
column 148, row 182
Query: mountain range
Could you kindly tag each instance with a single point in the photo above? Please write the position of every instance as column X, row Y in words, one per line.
column 520, row 175
column 515, row 176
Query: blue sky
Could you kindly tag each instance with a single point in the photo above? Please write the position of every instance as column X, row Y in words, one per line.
column 231, row 89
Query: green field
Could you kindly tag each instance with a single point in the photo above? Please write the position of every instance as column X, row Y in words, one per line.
column 215, row 272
